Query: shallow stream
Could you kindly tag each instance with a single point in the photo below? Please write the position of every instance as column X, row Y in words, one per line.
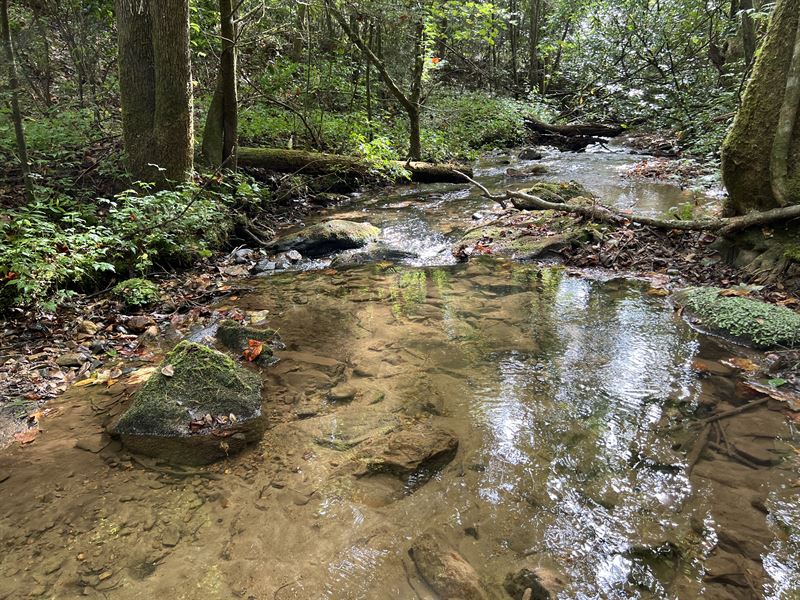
column 571, row 397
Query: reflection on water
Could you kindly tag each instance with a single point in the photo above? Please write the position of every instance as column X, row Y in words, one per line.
column 563, row 393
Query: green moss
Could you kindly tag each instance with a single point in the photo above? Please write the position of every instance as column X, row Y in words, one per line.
column 203, row 381
column 758, row 323
column 559, row 192
column 326, row 237
column 136, row 292
column 792, row 253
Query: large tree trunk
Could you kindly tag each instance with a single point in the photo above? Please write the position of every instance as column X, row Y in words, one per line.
column 173, row 122
column 137, row 85
column 156, row 89
column 749, row 150
column 16, row 113
column 316, row 163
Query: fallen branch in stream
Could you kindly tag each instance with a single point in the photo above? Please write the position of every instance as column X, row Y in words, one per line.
column 722, row 226
column 734, row 411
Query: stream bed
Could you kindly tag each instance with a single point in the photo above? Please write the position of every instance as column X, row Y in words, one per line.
column 569, row 395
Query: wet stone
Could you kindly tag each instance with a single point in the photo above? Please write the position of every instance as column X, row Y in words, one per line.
column 445, row 570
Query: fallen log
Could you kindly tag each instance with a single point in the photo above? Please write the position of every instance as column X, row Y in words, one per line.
column 577, row 130
column 318, row 163
column 723, row 226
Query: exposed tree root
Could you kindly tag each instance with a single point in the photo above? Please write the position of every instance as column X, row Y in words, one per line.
column 603, row 214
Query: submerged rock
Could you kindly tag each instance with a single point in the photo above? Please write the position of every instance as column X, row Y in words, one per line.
column 527, row 171
column 237, row 337
column 446, row 571
column 407, row 451
column 327, row 237
column 198, row 407
column 509, row 240
column 543, row 584
column 752, row 322
column 371, row 254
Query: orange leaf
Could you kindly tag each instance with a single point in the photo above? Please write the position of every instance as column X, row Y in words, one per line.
column 253, row 351
column 27, row 436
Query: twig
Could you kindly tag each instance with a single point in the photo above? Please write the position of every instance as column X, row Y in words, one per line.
column 697, row 449
column 734, row 411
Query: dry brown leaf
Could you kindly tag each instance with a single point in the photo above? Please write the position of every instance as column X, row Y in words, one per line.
column 743, row 364
column 656, row 291
column 790, row 398
column 168, row 371
column 27, row 437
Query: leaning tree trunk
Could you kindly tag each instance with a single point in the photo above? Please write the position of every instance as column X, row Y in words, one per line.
column 16, row 113
column 761, row 153
column 173, row 123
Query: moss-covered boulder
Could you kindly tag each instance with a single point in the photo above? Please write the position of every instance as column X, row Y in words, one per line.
column 744, row 320
column 326, row 237
column 197, row 407
column 557, row 193
column 136, row 292
column 522, row 237
column 239, row 338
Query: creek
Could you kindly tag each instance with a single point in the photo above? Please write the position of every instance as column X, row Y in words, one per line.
column 571, row 396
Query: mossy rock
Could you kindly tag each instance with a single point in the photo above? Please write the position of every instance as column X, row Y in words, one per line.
column 751, row 322
column 517, row 241
column 137, row 292
column 326, row 237
column 194, row 381
column 557, row 193
column 236, row 337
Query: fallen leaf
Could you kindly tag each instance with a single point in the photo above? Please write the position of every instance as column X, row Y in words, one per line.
column 27, row 436
column 141, row 375
column 168, row 371
column 85, row 382
column 253, row 350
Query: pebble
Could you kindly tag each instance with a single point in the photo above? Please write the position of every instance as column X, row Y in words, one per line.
column 171, row 536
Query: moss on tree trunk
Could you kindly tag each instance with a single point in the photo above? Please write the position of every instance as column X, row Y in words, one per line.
column 748, row 149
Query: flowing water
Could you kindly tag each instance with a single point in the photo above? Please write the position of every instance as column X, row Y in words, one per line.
column 571, row 398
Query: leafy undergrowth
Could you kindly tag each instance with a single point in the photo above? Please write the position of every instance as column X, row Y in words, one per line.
column 51, row 249
column 454, row 126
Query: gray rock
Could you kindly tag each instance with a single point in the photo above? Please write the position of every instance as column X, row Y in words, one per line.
column 294, row 256
column 326, row 237
column 243, row 255
column 70, row 359
column 531, row 154
column 265, row 265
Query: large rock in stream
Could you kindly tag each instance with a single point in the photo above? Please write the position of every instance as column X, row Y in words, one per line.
column 199, row 406
column 326, row 238
column 747, row 321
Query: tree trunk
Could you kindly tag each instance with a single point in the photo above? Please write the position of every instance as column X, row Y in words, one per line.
column 173, row 121
column 749, row 149
column 534, row 29
column 16, row 113
column 411, row 102
column 137, row 85
column 316, row 163
column 220, row 135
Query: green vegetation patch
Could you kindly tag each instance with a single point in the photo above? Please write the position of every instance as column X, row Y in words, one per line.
column 193, row 381
column 137, row 292
column 757, row 323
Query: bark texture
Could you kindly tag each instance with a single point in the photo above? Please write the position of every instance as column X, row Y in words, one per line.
column 747, row 152
column 155, row 89
column 315, row 163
